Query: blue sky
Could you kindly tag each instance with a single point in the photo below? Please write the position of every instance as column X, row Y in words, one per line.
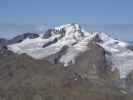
column 66, row 11
column 54, row 12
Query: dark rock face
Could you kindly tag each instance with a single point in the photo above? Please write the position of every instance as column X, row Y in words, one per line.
column 130, row 79
column 28, row 79
column 20, row 38
column 91, row 63
column 4, row 49
column 54, row 59
column 48, row 34
column 126, row 83
column 24, row 78
column 5, row 52
column 3, row 42
column 129, row 82
column 130, row 47
column 49, row 43
column 17, row 39
column 97, row 39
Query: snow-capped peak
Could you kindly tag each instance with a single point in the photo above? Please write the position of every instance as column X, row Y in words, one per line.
column 76, row 39
column 69, row 27
column 69, row 31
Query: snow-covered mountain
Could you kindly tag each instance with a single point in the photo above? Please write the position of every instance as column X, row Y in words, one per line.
column 74, row 40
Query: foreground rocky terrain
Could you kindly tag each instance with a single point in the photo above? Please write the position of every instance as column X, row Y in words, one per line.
column 79, row 70
column 23, row 78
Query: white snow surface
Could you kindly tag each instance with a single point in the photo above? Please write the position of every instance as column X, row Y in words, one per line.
column 77, row 39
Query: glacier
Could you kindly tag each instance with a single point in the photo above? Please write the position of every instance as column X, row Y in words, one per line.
column 77, row 40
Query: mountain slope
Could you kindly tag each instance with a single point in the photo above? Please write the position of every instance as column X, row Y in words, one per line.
column 65, row 63
column 77, row 40
column 25, row 78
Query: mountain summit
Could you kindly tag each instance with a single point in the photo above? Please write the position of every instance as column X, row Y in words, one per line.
column 64, row 44
column 65, row 62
